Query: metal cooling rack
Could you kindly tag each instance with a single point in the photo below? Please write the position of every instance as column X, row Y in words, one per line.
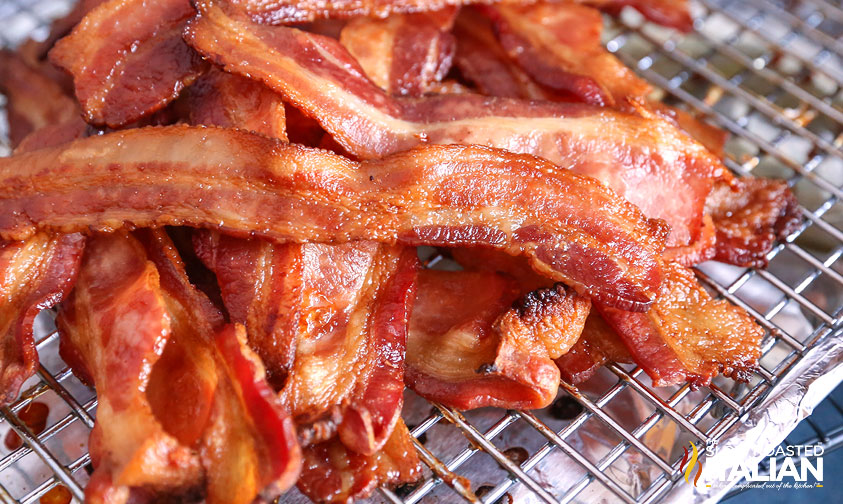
column 769, row 72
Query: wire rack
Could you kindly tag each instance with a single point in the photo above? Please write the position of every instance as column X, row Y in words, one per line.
column 770, row 73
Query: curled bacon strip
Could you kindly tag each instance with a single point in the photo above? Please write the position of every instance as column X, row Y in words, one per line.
column 687, row 335
column 114, row 327
column 212, row 390
column 333, row 473
column 404, row 54
column 573, row 228
column 331, row 322
column 222, row 99
column 34, row 100
column 34, row 274
column 645, row 158
column 672, row 13
column 749, row 217
column 468, row 349
column 559, row 45
column 481, row 59
column 128, row 59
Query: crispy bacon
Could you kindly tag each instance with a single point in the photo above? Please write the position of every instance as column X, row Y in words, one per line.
column 643, row 157
column 468, row 349
column 403, row 54
column 672, row 13
column 598, row 345
column 334, row 474
column 687, row 335
column 330, row 320
column 481, row 59
column 34, row 100
column 211, row 388
column 34, row 274
column 750, row 217
column 573, row 228
column 128, row 59
column 559, row 46
column 222, row 99
column 114, row 327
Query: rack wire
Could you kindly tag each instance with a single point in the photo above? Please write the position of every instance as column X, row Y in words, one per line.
column 767, row 71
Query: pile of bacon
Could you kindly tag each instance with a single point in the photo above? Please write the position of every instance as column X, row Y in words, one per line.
column 224, row 199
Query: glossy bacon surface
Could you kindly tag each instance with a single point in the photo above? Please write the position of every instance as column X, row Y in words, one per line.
column 114, row 327
column 334, row 474
column 645, row 158
column 231, row 101
column 468, row 349
column 330, row 322
column 128, row 59
column 667, row 12
column 34, row 274
column 749, row 217
column 573, row 228
column 210, row 390
column 482, row 60
column 559, row 45
column 403, row 54
column 687, row 335
column 34, row 100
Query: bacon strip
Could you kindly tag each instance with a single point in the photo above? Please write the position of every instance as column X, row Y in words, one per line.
column 334, row 474
column 687, row 335
column 481, row 59
column 598, row 345
column 750, row 217
column 222, row 99
column 331, row 322
column 114, row 327
column 559, row 46
column 128, row 59
column 573, row 228
column 467, row 349
column 228, row 412
column 645, row 158
column 672, row 13
column 34, row 100
column 403, row 54
column 34, row 274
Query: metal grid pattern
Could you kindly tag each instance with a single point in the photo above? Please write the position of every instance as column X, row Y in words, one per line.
column 769, row 72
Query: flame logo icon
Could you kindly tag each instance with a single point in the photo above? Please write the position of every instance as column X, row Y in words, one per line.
column 694, row 460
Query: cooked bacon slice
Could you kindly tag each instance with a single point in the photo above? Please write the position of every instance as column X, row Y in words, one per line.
column 750, row 217
column 468, row 349
column 34, row 100
column 482, row 61
column 114, row 326
column 34, row 274
column 226, row 409
column 645, row 158
column 542, row 310
column 334, row 474
column 598, row 345
column 687, row 335
column 573, row 228
column 712, row 137
column 559, row 46
column 672, row 13
column 403, row 54
column 128, row 59
column 330, row 321
column 222, row 99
